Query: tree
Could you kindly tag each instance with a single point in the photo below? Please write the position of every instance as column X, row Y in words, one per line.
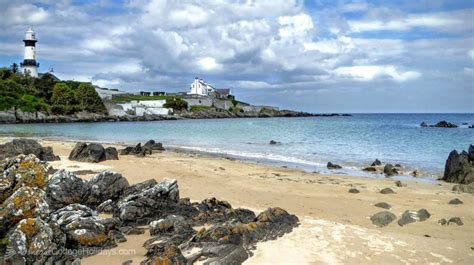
column 14, row 68
column 176, row 104
column 62, row 94
column 88, row 99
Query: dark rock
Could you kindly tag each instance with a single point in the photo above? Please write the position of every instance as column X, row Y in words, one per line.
column 216, row 211
column 442, row 221
column 26, row 147
column 131, row 230
column 383, row 205
column 383, row 218
column 390, row 170
column 423, row 124
column 139, row 187
column 370, row 169
column 398, row 165
column 66, row 188
column 412, row 216
column 333, row 166
column 152, row 145
column 444, row 124
column 118, row 236
column 104, row 186
column 398, row 183
column 455, row 201
column 127, row 262
column 455, row 220
column 83, row 152
column 274, row 142
column 459, row 168
column 387, row 191
column 137, row 150
column 414, row 173
column 354, row 190
column 170, row 224
column 376, row 163
column 111, row 153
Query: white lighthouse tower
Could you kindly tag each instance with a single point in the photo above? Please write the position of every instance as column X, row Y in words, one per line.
column 29, row 64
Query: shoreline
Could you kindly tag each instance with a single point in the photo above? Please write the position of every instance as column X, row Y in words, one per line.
column 335, row 224
column 351, row 170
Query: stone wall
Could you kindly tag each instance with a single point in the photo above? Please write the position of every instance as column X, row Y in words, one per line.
column 198, row 101
column 223, row 104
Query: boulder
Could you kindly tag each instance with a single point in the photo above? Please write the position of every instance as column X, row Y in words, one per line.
column 111, row 153
column 354, row 190
column 387, row 191
column 412, row 216
column 467, row 188
column 66, row 188
column 390, row 170
column 137, row 150
column 213, row 211
column 455, row 220
column 383, row 218
column 399, row 184
column 459, row 168
column 25, row 202
column 376, row 163
column 26, row 147
column 455, row 201
column 423, row 124
column 170, row 224
column 139, row 187
column 32, row 241
column 370, row 169
column 132, row 230
column 333, row 166
column 83, row 152
column 383, row 205
column 104, row 186
column 152, row 145
column 274, row 142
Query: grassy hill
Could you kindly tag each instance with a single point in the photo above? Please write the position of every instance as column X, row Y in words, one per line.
column 47, row 94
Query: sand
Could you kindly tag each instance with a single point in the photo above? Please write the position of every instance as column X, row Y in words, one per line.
column 335, row 225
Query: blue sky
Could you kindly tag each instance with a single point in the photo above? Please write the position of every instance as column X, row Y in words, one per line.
column 316, row 55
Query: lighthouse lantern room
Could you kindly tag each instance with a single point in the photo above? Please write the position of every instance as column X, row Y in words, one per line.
column 29, row 64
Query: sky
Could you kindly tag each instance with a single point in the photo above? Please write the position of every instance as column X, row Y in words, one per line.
column 315, row 55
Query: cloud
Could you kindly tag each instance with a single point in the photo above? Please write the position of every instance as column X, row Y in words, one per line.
column 372, row 72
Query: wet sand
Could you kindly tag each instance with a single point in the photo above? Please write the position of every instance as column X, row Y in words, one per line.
column 335, row 225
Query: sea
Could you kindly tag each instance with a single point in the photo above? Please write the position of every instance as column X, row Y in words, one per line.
column 308, row 143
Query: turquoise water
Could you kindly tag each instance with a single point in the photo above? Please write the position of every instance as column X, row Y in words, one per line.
column 308, row 143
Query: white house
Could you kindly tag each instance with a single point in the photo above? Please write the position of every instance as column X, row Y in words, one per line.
column 142, row 107
column 200, row 87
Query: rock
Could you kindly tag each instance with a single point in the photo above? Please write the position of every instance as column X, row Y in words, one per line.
column 387, row 191
column 383, row 205
column 118, row 236
column 412, row 216
column 104, row 186
column 423, row 124
column 398, row 183
column 131, row 230
column 467, row 188
column 26, row 147
column 376, row 163
column 383, row 218
column 442, row 221
column 107, row 207
column 444, row 124
column 455, row 220
column 23, row 170
column 152, row 145
column 25, row 202
column 414, row 173
column 82, row 226
column 148, row 204
column 455, row 201
column 333, row 166
column 66, row 188
column 111, row 153
column 274, row 142
column 398, row 165
column 135, row 188
column 370, row 169
column 137, row 150
column 216, row 211
column 170, row 224
column 33, row 240
column 83, row 152
column 459, row 168
column 390, row 170
column 354, row 190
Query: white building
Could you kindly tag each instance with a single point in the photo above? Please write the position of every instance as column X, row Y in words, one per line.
column 200, row 87
column 29, row 64
column 141, row 107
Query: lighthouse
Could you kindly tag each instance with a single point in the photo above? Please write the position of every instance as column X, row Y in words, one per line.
column 29, row 64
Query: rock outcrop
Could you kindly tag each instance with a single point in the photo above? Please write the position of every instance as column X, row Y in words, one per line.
column 146, row 149
column 459, row 168
column 26, row 147
column 333, row 166
column 93, row 153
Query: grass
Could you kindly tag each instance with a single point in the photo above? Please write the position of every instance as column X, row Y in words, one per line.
column 198, row 108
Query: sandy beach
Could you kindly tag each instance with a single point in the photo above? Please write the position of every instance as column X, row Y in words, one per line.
column 335, row 224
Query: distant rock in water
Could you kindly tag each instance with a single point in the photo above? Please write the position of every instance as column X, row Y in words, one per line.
column 423, row 124
column 459, row 168
column 441, row 124
column 274, row 142
column 93, row 153
column 26, row 147
column 390, row 170
column 333, row 166
column 376, row 163
column 370, row 169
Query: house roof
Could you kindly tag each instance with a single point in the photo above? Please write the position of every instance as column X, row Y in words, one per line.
column 223, row 91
